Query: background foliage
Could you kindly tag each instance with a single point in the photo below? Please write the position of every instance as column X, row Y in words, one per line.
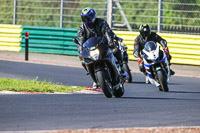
column 178, row 15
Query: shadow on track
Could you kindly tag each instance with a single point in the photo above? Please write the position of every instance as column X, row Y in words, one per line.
column 184, row 92
column 137, row 82
column 143, row 82
column 156, row 98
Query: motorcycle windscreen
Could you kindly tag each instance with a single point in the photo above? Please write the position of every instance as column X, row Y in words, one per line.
column 92, row 42
column 151, row 52
column 150, row 46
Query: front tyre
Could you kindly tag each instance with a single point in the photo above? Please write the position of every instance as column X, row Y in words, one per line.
column 163, row 81
column 126, row 68
column 104, row 83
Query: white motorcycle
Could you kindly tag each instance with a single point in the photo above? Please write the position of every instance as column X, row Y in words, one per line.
column 156, row 66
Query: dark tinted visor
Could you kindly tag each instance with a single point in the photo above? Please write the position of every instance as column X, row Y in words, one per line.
column 86, row 19
column 145, row 33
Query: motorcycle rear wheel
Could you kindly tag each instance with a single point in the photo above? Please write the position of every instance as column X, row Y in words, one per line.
column 104, row 83
column 163, row 81
column 127, row 69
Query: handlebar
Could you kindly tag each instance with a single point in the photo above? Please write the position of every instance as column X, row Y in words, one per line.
column 75, row 41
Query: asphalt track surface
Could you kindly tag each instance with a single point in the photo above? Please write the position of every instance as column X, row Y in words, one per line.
column 141, row 106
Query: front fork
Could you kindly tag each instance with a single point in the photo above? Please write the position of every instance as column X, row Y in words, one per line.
column 152, row 74
column 165, row 68
column 119, row 80
column 95, row 67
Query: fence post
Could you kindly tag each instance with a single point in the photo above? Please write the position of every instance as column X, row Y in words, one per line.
column 26, row 45
column 109, row 12
column 61, row 13
column 123, row 15
column 160, row 15
column 15, row 12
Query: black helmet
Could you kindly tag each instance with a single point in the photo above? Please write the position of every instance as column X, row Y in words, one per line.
column 88, row 16
column 145, row 30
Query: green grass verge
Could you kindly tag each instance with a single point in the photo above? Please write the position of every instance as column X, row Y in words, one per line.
column 35, row 86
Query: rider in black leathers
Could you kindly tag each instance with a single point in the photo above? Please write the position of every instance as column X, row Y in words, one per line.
column 147, row 35
column 96, row 27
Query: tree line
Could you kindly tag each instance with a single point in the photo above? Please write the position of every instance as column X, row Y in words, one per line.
column 178, row 16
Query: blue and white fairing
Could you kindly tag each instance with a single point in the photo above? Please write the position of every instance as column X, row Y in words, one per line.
column 152, row 57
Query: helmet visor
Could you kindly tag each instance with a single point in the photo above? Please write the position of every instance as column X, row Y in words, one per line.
column 86, row 19
column 145, row 33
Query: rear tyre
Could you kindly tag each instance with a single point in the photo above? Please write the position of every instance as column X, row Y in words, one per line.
column 163, row 81
column 104, row 83
column 126, row 68
column 119, row 92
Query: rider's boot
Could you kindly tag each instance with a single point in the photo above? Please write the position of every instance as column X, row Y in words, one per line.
column 147, row 80
column 172, row 72
column 95, row 86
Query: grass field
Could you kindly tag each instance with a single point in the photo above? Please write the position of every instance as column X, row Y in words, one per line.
column 35, row 86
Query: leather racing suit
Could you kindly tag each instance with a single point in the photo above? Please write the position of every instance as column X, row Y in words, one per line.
column 140, row 42
column 139, row 46
column 100, row 29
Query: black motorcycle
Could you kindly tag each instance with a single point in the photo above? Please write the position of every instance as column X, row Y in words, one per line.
column 123, row 49
column 102, row 66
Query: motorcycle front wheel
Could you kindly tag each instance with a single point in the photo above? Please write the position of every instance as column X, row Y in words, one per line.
column 163, row 81
column 104, row 83
column 127, row 69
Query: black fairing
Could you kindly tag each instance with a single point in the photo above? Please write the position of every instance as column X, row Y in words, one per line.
column 93, row 43
column 103, row 62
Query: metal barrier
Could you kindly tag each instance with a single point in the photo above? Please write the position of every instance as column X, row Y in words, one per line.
column 185, row 49
column 10, row 37
column 50, row 40
column 42, row 39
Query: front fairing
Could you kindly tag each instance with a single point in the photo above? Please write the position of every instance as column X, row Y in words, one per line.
column 105, row 61
column 155, row 60
column 89, row 45
column 94, row 49
column 86, row 53
column 151, row 54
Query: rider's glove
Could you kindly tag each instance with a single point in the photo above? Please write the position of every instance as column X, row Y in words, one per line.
column 139, row 60
column 115, row 49
column 166, row 51
column 111, row 45
column 125, row 47
column 119, row 39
